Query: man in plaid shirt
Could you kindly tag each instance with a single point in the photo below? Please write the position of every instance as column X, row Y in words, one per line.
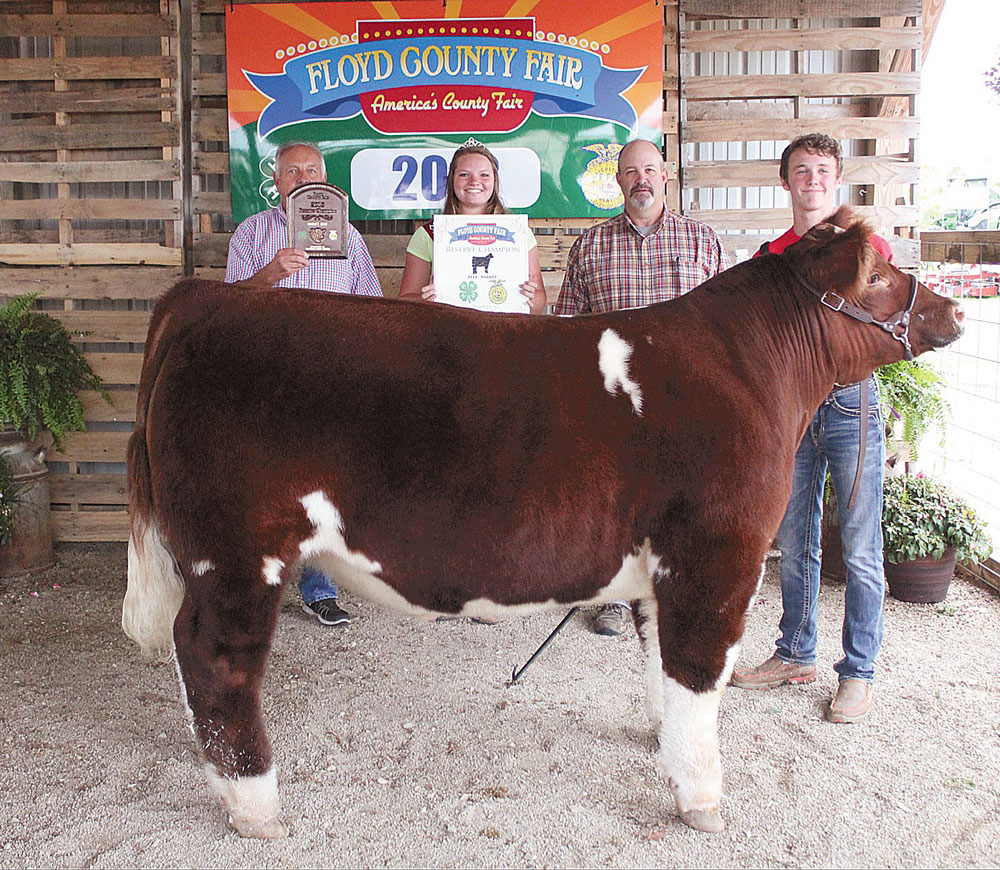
column 646, row 254
column 259, row 254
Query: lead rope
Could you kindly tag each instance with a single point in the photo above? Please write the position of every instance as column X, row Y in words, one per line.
column 864, row 443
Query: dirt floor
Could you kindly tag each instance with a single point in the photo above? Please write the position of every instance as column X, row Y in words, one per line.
column 398, row 743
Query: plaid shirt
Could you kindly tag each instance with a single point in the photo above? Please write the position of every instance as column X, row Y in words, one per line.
column 614, row 266
column 261, row 236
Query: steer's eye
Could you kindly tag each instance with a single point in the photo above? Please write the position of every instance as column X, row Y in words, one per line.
column 874, row 278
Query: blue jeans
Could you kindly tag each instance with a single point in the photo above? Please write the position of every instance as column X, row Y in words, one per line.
column 315, row 586
column 832, row 439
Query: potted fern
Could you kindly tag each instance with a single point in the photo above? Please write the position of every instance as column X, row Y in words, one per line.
column 913, row 401
column 41, row 375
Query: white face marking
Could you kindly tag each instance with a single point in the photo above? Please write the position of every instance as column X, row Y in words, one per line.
column 614, row 354
column 202, row 567
column 271, row 570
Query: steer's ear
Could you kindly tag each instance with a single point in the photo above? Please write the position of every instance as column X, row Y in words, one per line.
column 836, row 259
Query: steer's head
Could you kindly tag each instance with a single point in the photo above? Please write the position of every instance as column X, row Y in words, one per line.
column 837, row 261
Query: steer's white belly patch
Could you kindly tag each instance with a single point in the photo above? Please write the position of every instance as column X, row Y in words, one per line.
column 614, row 354
column 327, row 550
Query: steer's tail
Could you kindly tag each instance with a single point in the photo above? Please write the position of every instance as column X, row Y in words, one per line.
column 155, row 585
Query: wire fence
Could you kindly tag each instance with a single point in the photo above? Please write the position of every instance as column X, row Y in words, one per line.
column 967, row 453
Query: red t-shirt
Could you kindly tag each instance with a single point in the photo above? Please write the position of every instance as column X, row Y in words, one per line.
column 790, row 238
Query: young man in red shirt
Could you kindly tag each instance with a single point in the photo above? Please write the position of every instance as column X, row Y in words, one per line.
column 811, row 171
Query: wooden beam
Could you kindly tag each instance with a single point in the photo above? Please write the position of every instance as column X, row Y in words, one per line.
column 778, row 86
column 90, row 209
column 798, row 8
column 839, row 128
column 45, row 172
column 90, row 525
column 77, row 102
column 812, row 39
column 37, row 137
column 764, row 173
column 932, row 10
column 88, row 254
column 768, row 218
column 46, row 69
column 99, row 281
column 88, row 25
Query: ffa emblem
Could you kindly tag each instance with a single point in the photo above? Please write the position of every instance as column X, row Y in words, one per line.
column 598, row 183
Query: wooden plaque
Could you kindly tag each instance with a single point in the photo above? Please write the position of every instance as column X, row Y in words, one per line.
column 317, row 220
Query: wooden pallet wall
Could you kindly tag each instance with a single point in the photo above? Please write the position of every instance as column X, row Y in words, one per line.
column 91, row 209
column 757, row 73
column 114, row 166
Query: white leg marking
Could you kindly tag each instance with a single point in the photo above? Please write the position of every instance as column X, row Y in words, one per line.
column 689, row 743
column 650, row 635
column 202, row 567
column 271, row 570
column 614, row 354
column 188, row 712
column 252, row 802
column 689, row 746
column 760, row 579
column 154, row 594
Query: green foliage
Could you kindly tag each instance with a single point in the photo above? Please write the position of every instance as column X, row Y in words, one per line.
column 921, row 517
column 41, row 372
column 10, row 498
column 913, row 393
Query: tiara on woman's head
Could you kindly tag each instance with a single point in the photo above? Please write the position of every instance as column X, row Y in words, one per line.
column 472, row 142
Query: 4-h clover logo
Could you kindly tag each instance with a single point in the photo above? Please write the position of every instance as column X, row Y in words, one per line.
column 467, row 291
column 267, row 190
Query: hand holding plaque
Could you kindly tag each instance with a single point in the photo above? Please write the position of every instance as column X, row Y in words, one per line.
column 317, row 220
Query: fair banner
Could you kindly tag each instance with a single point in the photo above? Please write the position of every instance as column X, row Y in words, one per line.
column 387, row 91
column 481, row 261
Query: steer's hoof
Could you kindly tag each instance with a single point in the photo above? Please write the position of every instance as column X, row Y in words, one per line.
column 703, row 820
column 268, row 829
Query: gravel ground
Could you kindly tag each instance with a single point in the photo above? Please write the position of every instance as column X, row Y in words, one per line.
column 399, row 744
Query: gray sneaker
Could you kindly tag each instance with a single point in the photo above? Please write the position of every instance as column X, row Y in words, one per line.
column 610, row 620
column 327, row 611
column 773, row 672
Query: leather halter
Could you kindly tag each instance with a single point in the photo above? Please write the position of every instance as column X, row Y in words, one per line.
column 898, row 326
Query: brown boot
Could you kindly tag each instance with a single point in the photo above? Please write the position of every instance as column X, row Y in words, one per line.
column 853, row 701
column 773, row 672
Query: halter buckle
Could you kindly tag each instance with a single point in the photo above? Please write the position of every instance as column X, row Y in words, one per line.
column 833, row 306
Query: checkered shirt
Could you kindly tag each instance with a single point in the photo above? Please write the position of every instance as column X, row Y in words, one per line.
column 614, row 266
column 261, row 236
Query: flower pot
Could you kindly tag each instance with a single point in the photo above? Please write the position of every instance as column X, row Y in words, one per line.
column 31, row 548
column 924, row 581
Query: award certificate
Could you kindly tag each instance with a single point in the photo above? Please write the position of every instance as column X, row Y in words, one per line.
column 480, row 261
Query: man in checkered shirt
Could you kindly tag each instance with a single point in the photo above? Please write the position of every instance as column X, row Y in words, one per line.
column 646, row 254
column 259, row 254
